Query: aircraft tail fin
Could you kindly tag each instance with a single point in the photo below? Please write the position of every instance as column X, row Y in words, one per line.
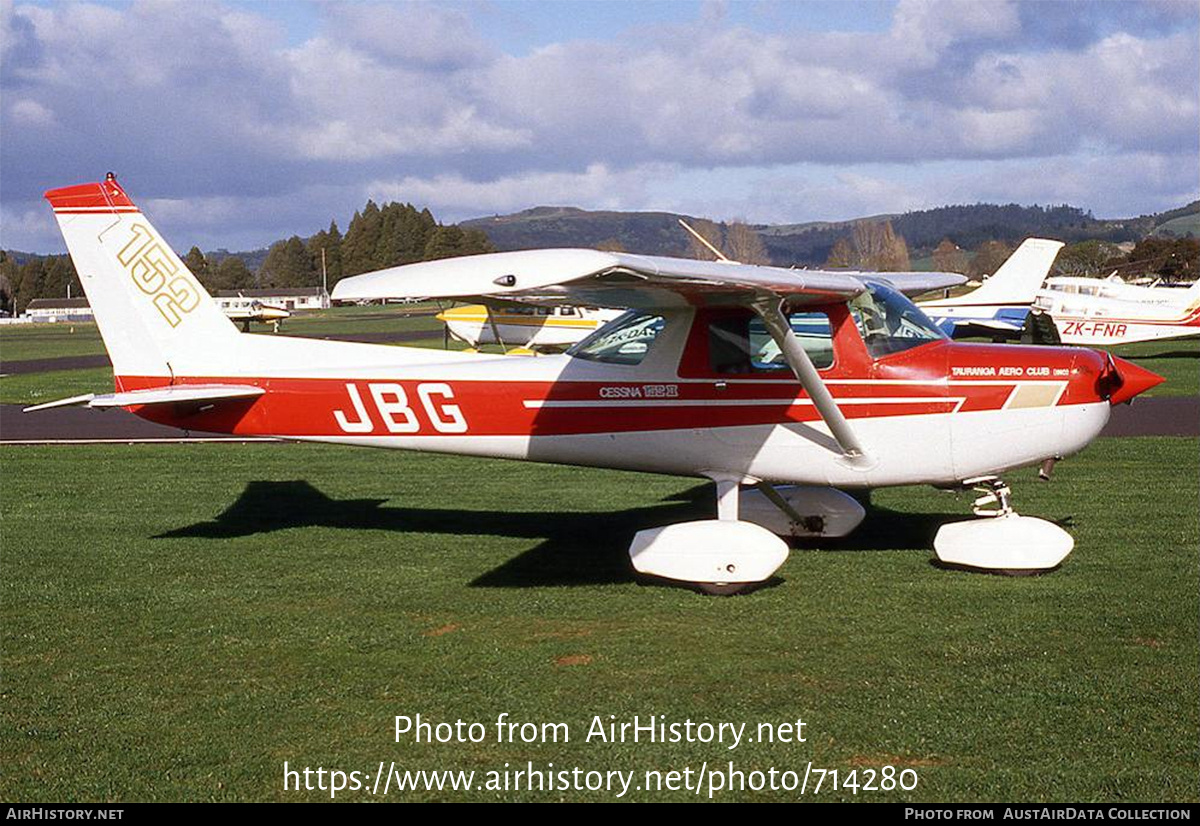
column 154, row 316
column 1018, row 279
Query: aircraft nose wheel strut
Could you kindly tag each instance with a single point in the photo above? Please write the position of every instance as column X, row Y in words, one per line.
column 996, row 499
column 1000, row 540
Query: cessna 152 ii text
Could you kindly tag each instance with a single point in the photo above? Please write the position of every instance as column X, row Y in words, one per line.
column 705, row 375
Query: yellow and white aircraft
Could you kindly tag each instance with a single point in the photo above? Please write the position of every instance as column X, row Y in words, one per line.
column 251, row 309
column 523, row 326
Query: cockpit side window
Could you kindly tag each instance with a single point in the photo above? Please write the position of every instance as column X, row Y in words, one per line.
column 741, row 344
column 890, row 323
column 625, row 340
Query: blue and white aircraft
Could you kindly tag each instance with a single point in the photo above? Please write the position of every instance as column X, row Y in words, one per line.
column 999, row 306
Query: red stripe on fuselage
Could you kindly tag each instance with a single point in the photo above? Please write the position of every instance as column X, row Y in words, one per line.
column 305, row 407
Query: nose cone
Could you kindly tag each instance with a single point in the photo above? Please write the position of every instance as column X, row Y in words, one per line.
column 1128, row 380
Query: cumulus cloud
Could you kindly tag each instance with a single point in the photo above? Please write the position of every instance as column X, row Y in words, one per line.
column 597, row 187
column 220, row 103
column 27, row 113
column 411, row 34
column 28, row 226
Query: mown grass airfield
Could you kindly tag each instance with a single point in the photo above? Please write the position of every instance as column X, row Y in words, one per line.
column 179, row 620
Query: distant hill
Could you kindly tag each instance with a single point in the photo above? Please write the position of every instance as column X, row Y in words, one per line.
column 253, row 259
column 1179, row 223
column 808, row 244
column 653, row 233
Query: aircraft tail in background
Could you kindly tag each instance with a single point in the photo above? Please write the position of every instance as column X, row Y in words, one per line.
column 1017, row 280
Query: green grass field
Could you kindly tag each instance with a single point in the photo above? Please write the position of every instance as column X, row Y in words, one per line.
column 24, row 342
column 1177, row 361
column 40, row 341
column 46, row 341
column 178, row 621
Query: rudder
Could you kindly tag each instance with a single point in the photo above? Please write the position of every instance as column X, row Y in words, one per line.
column 1018, row 279
column 155, row 317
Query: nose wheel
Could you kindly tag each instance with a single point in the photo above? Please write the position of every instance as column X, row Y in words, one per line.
column 999, row 540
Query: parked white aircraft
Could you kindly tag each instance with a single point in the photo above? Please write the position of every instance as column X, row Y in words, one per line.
column 251, row 309
column 704, row 376
column 999, row 306
column 524, row 326
column 1104, row 312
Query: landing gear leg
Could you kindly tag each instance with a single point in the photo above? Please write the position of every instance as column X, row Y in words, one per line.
column 802, row 511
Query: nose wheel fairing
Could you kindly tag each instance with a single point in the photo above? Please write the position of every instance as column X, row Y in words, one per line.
column 1001, row 540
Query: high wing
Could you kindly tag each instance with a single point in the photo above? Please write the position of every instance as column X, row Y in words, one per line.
column 612, row 279
column 916, row 283
column 609, row 279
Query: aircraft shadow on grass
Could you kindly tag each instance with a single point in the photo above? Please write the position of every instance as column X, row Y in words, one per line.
column 578, row 547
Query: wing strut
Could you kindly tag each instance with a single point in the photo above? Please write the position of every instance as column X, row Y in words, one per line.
column 495, row 328
column 770, row 309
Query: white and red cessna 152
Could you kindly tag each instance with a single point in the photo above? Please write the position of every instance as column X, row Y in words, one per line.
column 781, row 386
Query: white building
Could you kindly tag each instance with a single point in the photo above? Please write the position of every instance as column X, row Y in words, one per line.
column 289, row 298
column 59, row 309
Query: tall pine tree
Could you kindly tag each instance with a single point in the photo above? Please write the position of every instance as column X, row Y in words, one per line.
column 287, row 265
column 361, row 243
column 197, row 264
column 328, row 242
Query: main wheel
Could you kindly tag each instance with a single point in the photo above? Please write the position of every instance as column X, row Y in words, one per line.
column 724, row 589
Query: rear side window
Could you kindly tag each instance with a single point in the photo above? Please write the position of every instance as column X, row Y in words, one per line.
column 741, row 344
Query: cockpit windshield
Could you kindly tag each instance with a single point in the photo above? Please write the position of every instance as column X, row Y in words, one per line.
column 624, row 340
column 889, row 322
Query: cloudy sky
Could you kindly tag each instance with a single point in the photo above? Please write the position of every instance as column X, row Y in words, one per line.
column 236, row 123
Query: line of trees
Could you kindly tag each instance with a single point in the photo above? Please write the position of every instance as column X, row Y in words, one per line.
column 39, row 277
column 736, row 241
column 377, row 237
column 871, row 245
column 1174, row 259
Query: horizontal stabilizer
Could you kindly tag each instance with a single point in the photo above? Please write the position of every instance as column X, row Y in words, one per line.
column 174, row 394
column 69, row 402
